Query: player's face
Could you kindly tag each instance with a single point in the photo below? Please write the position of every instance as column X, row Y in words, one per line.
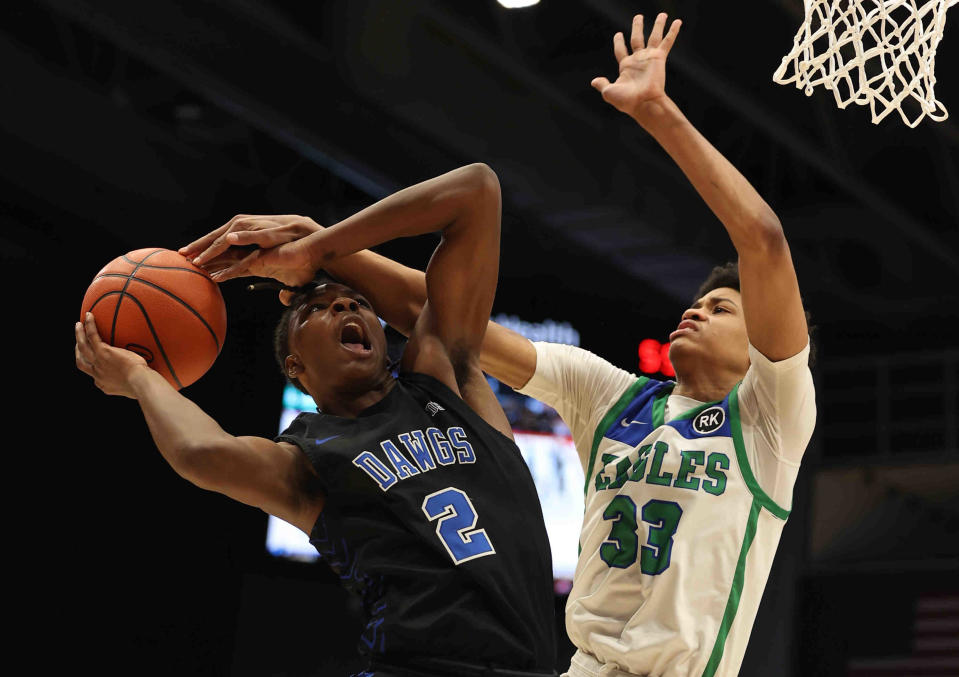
column 712, row 331
column 338, row 341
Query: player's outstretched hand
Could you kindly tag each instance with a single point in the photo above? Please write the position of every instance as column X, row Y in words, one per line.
column 259, row 245
column 642, row 74
column 110, row 367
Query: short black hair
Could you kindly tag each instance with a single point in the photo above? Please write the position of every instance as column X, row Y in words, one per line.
column 727, row 275
column 281, row 334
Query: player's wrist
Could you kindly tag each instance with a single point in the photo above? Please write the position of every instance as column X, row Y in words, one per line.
column 315, row 250
column 655, row 112
column 141, row 379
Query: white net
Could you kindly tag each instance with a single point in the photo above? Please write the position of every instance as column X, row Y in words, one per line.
column 880, row 53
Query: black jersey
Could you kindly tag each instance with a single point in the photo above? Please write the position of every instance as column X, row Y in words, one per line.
column 431, row 516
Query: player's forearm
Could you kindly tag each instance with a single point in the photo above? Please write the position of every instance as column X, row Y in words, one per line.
column 747, row 218
column 396, row 291
column 180, row 429
column 428, row 207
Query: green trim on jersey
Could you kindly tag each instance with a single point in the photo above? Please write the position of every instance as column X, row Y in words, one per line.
column 608, row 419
column 659, row 406
column 735, row 593
column 761, row 496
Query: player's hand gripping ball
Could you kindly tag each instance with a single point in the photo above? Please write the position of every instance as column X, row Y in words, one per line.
column 159, row 305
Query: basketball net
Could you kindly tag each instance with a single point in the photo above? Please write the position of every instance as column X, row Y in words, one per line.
column 876, row 52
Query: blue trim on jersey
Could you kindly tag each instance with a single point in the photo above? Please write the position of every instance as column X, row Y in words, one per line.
column 337, row 556
column 634, row 423
column 639, row 418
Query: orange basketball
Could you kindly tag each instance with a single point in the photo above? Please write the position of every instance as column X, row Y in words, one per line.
column 159, row 305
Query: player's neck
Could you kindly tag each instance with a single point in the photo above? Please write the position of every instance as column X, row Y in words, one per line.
column 350, row 404
column 705, row 386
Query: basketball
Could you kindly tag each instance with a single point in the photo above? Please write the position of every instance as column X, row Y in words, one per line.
column 159, row 305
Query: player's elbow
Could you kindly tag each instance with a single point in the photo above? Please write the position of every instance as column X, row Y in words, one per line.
column 482, row 176
column 482, row 182
column 766, row 235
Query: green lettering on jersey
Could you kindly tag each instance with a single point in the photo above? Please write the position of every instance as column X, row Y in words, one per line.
column 656, row 476
column 686, row 466
column 639, row 467
column 619, row 549
column 602, row 481
column 622, row 473
column 663, row 518
column 715, row 464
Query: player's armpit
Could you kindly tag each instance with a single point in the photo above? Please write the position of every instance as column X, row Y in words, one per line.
column 276, row 477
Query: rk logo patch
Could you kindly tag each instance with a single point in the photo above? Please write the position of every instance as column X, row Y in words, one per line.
column 709, row 420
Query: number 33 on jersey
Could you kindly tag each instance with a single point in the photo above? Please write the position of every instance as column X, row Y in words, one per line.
column 664, row 502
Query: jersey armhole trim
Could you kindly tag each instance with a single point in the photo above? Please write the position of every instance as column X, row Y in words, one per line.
column 757, row 491
column 607, row 420
column 304, row 446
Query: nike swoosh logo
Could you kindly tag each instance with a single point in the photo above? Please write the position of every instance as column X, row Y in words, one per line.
column 626, row 423
column 327, row 439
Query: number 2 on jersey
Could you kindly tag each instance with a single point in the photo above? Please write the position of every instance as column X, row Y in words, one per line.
column 456, row 525
column 620, row 548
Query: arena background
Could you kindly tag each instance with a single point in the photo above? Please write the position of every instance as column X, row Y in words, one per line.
column 135, row 124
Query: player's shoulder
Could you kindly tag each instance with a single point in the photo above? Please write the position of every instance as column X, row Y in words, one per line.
column 307, row 428
column 780, row 390
column 760, row 365
column 774, row 380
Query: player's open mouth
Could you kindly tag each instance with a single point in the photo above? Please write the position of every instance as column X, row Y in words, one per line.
column 353, row 338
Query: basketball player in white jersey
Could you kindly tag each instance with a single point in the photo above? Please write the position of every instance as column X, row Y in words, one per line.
column 688, row 483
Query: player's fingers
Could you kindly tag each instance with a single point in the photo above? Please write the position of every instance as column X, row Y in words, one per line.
column 204, row 242
column 619, row 47
column 91, row 333
column 599, row 84
column 656, row 35
column 263, row 237
column 82, row 363
column 219, row 244
column 667, row 43
column 636, row 40
column 238, row 269
column 286, row 297
column 222, row 262
column 216, row 247
column 83, row 348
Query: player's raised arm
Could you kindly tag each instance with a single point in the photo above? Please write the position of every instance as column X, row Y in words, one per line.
column 275, row 477
column 775, row 321
column 397, row 292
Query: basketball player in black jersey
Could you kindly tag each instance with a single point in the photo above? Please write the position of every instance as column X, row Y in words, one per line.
column 411, row 488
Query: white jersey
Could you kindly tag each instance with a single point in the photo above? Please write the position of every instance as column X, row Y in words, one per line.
column 685, row 504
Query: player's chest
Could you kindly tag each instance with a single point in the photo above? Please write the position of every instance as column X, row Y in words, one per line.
column 407, row 442
column 665, row 459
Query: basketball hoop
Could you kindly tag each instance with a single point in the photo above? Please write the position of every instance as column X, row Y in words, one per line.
column 880, row 53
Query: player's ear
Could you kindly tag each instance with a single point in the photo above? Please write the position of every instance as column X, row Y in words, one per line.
column 293, row 366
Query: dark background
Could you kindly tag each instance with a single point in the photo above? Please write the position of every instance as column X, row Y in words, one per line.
column 127, row 125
